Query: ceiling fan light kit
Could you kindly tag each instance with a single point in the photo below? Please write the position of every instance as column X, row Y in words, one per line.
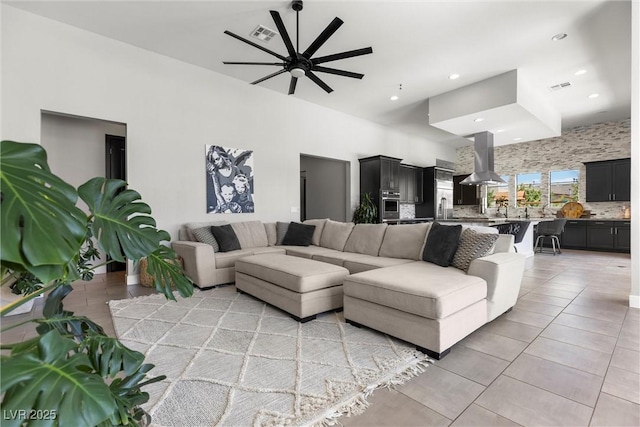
column 303, row 64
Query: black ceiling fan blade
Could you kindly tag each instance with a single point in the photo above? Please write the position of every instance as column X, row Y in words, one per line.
column 338, row 72
column 323, row 37
column 283, row 33
column 253, row 63
column 268, row 77
column 249, row 42
column 292, row 85
column 319, row 82
column 342, row 55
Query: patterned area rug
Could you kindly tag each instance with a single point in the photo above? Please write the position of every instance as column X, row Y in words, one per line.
column 233, row 360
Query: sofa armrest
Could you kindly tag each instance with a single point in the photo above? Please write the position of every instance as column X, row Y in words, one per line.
column 505, row 243
column 503, row 273
column 199, row 261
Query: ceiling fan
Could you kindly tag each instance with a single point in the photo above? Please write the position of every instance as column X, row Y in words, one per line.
column 302, row 64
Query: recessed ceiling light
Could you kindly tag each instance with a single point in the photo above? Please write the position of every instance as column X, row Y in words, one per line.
column 594, row 95
column 580, row 72
column 394, row 98
column 499, row 130
column 559, row 37
column 479, row 119
column 517, row 139
column 454, row 76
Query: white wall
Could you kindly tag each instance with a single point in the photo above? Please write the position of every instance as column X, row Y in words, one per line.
column 634, row 297
column 172, row 110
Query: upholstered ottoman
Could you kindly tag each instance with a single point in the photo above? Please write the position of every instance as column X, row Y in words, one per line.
column 427, row 305
column 302, row 287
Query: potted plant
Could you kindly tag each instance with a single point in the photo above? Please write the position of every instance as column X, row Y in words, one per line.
column 72, row 373
column 367, row 212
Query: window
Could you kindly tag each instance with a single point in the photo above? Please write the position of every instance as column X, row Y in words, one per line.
column 498, row 195
column 563, row 187
column 528, row 190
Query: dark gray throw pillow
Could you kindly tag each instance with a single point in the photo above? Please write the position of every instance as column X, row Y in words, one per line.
column 298, row 234
column 226, row 237
column 442, row 243
column 281, row 231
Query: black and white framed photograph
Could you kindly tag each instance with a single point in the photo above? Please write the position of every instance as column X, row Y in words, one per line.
column 229, row 179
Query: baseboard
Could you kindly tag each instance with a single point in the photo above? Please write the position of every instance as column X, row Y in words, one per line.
column 133, row 279
column 634, row 301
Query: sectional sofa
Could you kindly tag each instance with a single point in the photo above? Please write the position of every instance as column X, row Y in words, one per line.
column 388, row 287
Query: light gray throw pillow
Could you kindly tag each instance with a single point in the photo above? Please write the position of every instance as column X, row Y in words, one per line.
column 204, row 235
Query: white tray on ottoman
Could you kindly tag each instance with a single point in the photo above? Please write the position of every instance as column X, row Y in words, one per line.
column 302, row 287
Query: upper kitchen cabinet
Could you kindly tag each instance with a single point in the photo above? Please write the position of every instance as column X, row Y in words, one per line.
column 379, row 173
column 464, row 194
column 410, row 184
column 609, row 180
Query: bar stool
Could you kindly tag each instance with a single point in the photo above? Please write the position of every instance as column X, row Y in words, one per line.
column 550, row 229
column 517, row 229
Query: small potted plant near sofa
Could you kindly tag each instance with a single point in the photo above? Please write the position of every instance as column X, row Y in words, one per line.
column 72, row 373
column 367, row 212
column 18, row 284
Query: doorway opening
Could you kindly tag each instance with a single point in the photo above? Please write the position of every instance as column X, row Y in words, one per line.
column 325, row 188
column 77, row 150
column 115, row 155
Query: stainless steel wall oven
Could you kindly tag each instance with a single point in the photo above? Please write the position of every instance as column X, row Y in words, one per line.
column 389, row 204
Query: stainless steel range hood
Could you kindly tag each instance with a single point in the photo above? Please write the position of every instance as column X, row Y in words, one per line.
column 483, row 161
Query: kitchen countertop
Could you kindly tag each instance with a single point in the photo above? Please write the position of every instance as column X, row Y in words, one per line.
column 500, row 220
column 407, row 220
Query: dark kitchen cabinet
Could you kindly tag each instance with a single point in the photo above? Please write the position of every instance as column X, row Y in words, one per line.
column 600, row 235
column 464, row 194
column 575, row 235
column 389, row 173
column 609, row 235
column 410, row 178
column 622, row 236
column 609, row 180
column 379, row 173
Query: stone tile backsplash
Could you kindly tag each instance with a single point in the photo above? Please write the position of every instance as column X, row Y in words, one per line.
column 407, row 210
column 602, row 141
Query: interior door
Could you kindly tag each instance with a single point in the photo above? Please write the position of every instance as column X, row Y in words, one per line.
column 115, row 168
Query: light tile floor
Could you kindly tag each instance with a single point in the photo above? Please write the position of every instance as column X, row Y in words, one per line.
column 567, row 354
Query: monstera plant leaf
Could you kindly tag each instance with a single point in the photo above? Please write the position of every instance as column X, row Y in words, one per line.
column 54, row 380
column 108, row 356
column 121, row 222
column 163, row 266
column 42, row 229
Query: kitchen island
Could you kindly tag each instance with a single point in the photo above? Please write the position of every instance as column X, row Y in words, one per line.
column 525, row 247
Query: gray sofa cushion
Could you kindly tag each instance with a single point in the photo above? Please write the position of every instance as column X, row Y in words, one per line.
column 366, row 239
column 270, row 229
column 335, row 234
column 404, row 288
column 251, row 234
column 404, row 241
column 317, row 234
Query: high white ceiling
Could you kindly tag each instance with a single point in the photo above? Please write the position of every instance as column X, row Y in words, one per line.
column 415, row 43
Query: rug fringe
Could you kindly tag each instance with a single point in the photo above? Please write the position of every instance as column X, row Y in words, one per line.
column 359, row 403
